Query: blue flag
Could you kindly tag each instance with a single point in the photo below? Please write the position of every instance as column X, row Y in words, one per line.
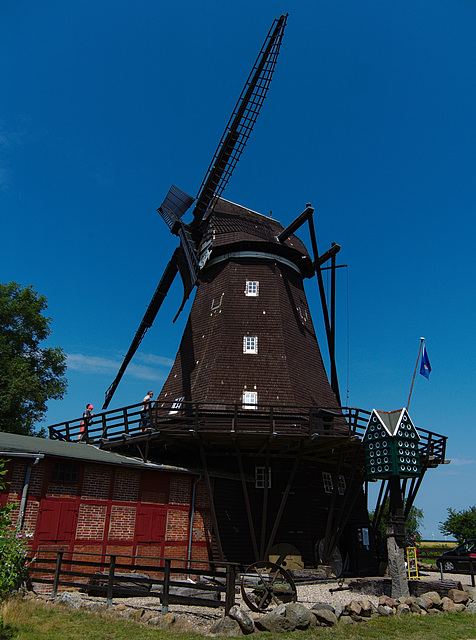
column 425, row 367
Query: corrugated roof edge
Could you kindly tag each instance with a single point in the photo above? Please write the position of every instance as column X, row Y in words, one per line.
column 15, row 445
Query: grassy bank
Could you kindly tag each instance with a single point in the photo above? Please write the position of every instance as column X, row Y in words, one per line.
column 28, row 621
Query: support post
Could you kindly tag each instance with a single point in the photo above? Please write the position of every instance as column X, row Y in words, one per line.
column 59, row 560
column 166, row 586
column 395, row 538
column 212, row 503
column 230, row 588
column 110, row 579
column 264, row 516
column 247, row 501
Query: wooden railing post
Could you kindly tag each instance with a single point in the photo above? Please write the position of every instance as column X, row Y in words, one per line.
column 230, row 588
column 110, row 579
column 104, row 426
column 59, row 560
column 166, row 586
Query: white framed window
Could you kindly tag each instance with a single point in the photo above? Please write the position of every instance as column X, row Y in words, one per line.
column 250, row 400
column 341, row 485
column 250, row 344
column 252, row 288
column 260, row 477
column 329, row 485
column 302, row 314
column 327, row 480
column 216, row 302
column 176, row 405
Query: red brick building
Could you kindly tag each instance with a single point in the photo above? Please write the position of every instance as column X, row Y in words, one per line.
column 78, row 498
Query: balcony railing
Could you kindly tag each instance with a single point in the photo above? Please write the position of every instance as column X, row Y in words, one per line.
column 193, row 418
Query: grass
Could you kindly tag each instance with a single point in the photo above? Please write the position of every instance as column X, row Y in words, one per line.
column 28, row 621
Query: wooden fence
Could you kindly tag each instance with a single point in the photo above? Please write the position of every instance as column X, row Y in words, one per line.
column 116, row 575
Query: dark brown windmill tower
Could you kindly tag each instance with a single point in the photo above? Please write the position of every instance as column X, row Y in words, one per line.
column 248, row 398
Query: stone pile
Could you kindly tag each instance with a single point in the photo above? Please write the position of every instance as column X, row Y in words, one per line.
column 295, row 616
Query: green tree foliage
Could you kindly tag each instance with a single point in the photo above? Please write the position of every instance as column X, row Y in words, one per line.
column 460, row 524
column 29, row 375
column 413, row 523
column 13, row 548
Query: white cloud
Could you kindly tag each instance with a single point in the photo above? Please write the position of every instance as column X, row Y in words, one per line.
column 459, row 462
column 151, row 370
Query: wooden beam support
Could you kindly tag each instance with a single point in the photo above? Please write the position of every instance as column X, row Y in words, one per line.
column 264, row 516
column 284, row 499
column 247, row 502
column 212, row 502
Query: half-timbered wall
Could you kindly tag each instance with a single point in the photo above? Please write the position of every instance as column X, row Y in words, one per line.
column 87, row 507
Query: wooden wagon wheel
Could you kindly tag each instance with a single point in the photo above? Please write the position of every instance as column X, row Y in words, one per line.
column 264, row 584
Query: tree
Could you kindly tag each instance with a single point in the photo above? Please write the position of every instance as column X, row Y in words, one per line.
column 460, row 524
column 29, row 375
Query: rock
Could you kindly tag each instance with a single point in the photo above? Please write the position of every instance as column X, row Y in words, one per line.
column 280, row 610
column 324, row 616
column 423, row 603
column 121, row 607
column 299, row 615
column 366, row 608
column 460, row 607
column 274, row 623
column 347, row 620
column 338, row 609
column 471, row 608
column 155, row 621
column 353, row 607
column 71, row 599
column 471, row 591
column 414, row 608
column 434, row 597
column 403, row 609
column 458, row 596
column 387, row 601
column 447, row 605
column 385, row 611
column 243, row 618
column 323, row 605
column 225, row 626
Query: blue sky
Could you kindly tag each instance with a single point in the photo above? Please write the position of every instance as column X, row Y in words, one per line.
column 370, row 116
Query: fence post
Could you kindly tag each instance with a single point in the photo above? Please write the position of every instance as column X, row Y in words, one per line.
column 230, row 588
column 110, row 579
column 59, row 560
column 166, row 586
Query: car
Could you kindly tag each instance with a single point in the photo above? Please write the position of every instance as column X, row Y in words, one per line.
column 460, row 559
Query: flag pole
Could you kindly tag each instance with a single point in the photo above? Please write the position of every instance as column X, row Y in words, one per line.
column 422, row 340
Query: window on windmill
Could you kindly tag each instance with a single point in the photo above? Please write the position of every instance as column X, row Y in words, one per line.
column 176, row 405
column 252, row 288
column 341, row 485
column 250, row 344
column 216, row 302
column 250, row 400
column 302, row 313
column 260, row 477
column 64, row 472
column 327, row 480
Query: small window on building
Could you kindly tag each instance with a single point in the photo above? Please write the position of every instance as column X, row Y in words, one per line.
column 302, row 313
column 327, row 480
column 341, row 485
column 252, row 288
column 216, row 302
column 250, row 400
column 260, row 477
column 250, row 344
column 176, row 405
column 64, row 472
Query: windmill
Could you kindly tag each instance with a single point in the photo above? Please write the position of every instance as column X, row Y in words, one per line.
column 248, row 394
column 248, row 389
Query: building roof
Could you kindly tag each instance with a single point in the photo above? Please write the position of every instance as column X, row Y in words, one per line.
column 14, row 445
